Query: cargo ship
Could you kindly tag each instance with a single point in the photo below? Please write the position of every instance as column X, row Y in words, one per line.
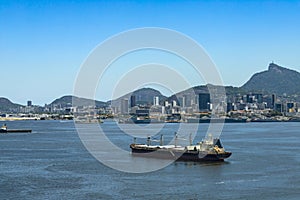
column 15, row 131
column 4, row 129
column 209, row 149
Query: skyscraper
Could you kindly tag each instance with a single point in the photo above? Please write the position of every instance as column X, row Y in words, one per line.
column 182, row 101
column 124, row 106
column 156, row 101
column 204, row 101
column 132, row 101
column 259, row 98
column 188, row 99
column 273, row 100
column 278, row 107
column 174, row 103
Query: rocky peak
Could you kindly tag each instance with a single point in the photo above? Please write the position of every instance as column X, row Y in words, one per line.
column 276, row 79
column 275, row 68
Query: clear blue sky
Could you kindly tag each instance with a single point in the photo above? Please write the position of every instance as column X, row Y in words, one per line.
column 43, row 43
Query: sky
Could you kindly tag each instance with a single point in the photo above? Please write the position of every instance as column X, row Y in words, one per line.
column 43, row 44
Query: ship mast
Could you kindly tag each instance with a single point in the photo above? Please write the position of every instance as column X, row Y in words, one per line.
column 161, row 140
column 175, row 141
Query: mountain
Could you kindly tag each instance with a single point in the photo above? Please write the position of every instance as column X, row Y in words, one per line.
column 146, row 95
column 276, row 79
column 191, row 94
column 66, row 101
column 142, row 96
column 7, row 106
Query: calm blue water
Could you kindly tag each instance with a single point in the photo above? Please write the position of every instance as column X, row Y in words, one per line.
column 52, row 163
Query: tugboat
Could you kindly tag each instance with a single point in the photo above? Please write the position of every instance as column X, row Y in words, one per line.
column 209, row 149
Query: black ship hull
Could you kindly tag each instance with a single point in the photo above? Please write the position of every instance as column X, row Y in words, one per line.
column 15, row 131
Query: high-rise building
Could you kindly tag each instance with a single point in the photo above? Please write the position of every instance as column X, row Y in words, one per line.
column 29, row 103
column 156, row 101
column 290, row 107
column 196, row 99
column 250, row 98
column 182, row 101
column 124, row 106
column 230, row 107
column 204, row 101
column 187, row 99
column 259, row 98
column 254, row 98
column 163, row 110
column 167, row 104
column 174, row 103
column 132, row 101
column 273, row 100
column 278, row 107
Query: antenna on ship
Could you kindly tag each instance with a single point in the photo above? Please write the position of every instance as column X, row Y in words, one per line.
column 175, row 142
column 148, row 141
column 190, row 138
column 161, row 140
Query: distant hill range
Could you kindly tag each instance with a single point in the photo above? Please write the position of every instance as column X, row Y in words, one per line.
column 276, row 79
column 8, row 106
column 142, row 96
column 66, row 101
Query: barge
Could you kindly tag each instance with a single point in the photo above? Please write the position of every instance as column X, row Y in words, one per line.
column 15, row 131
column 4, row 129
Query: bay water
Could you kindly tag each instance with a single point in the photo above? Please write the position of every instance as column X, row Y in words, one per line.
column 52, row 163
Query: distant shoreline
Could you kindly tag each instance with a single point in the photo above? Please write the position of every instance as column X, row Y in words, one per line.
column 206, row 121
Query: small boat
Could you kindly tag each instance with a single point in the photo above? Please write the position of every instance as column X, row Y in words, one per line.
column 209, row 149
column 139, row 120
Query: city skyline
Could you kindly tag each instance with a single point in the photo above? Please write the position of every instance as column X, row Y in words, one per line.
column 43, row 45
column 132, row 97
